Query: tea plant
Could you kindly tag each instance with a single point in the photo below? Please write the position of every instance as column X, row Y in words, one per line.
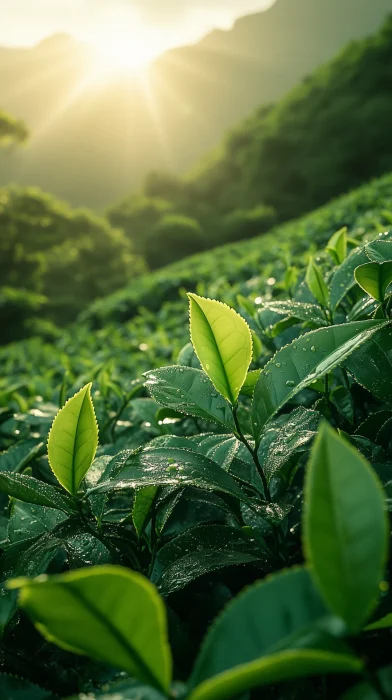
column 224, row 494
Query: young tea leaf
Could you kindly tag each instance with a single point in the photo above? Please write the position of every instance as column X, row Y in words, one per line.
column 374, row 278
column 73, row 440
column 345, row 528
column 223, row 344
column 108, row 613
column 337, row 246
column 316, row 284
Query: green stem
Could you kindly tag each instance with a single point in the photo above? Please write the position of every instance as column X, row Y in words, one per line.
column 254, row 455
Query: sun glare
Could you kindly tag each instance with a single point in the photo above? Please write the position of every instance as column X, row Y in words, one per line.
column 125, row 55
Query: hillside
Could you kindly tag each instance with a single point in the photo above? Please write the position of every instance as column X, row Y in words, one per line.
column 327, row 136
column 108, row 136
column 146, row 323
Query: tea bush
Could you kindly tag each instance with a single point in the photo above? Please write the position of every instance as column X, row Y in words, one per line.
column 217, row 527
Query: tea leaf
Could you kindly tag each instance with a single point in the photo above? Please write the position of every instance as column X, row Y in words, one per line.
column 268, row 634
column 345, row 528
column 169, row 466
column 375, row 278
column 73, row 440
column 302, row 362
column 108, row 613
column 223, row 344
column 316, row 284
column 337, row 246
column 189, row 391
column 26, row 488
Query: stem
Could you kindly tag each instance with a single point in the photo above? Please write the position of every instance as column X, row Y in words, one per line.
column 254, row 454
column 154, row 543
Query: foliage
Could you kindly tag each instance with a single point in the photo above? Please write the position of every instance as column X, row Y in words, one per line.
column 12, row 131
column 247, row 483
column 44, row 244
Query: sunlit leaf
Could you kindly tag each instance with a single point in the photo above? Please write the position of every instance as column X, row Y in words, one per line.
column 375, row 278
column 337, row 246
column 108, row 613
column 223, row 344
column 73, row 440
column 316, row 283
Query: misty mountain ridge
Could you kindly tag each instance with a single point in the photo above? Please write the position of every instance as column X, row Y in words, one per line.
column 93, row 143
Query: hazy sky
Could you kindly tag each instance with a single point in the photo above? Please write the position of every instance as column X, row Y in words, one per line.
column 163, row 23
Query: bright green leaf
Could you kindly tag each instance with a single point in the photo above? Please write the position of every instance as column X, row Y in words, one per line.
column 73, row 440
column 337, row 246
column 108, row 613
column 316, row 283
column 302, row 362
column 223, row 344
column 375, row 278
column 250, row 382
column 345, row 528
column 382, row 624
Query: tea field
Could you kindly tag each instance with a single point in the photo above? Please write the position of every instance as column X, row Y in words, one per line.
column 195, row 477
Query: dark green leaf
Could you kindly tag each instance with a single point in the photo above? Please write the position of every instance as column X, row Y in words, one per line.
column 302, row 362
column 26, row 488
column 272, row 631
column 13, row 688
column 372, row 365
column 189, row 391
column 169, row 466
column 201, row 550
column 17, row 457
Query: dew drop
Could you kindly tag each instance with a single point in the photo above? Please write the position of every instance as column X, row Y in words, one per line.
column 290, row 382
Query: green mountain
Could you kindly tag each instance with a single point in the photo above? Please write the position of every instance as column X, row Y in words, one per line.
column 328, row 135
column 93, row 142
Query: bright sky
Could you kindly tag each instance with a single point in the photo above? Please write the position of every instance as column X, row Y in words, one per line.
column 134, row 30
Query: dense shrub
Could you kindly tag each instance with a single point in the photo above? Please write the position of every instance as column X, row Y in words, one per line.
column 69, row 256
